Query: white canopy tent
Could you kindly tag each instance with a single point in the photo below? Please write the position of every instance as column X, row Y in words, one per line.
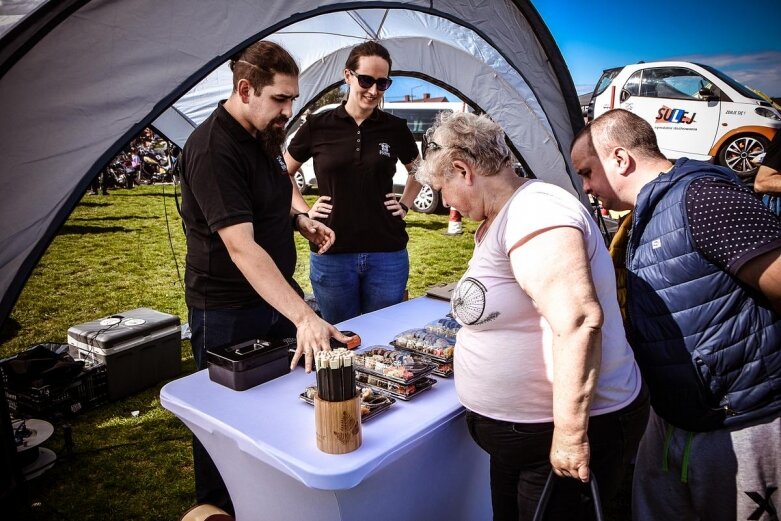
column 80, row 78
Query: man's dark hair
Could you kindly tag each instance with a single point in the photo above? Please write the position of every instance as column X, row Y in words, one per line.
column 370, row 48
column 622, row 128
column 259, row 62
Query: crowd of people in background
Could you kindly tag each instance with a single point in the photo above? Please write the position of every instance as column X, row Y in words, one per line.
column 147, row 159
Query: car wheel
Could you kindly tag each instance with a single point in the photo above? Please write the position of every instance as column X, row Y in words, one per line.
column 427, row 200
column 301, row 182
column 739, row 152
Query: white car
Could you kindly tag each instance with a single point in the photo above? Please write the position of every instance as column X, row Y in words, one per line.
column 420, row 116
column 696, row 111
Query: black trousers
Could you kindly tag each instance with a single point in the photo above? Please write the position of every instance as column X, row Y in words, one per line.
column 215, row 328
column 520, row 462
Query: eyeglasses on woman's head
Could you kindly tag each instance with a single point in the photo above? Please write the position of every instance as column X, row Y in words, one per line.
column 429, row 145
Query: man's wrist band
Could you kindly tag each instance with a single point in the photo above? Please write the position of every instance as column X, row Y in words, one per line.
column 405, row 207
column 295, row 219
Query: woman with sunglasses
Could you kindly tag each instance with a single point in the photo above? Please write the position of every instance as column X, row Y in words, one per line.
column 542, row 363
column 354, row 149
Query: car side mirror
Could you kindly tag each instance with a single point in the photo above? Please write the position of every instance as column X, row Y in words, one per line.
column 624, row 95
column 706, row 94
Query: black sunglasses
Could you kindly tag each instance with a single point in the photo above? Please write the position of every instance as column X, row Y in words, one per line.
column 366, row 81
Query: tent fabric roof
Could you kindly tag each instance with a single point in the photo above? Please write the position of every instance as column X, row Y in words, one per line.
column 79, row 78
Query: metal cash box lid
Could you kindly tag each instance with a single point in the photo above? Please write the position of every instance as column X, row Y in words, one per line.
column 247, row 355
column 121, row 328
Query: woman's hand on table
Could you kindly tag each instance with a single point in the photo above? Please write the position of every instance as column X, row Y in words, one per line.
column 321, row 209
column 570, row 454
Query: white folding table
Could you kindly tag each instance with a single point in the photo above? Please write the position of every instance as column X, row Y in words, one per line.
column 417, row 460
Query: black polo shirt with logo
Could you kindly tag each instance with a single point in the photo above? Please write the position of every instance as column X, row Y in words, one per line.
column 227, row 179
column 354, row 165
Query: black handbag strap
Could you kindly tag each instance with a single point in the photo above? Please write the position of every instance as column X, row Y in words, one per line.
column 548, row 490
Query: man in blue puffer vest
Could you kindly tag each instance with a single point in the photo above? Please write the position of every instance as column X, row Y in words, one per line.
column 703, row 263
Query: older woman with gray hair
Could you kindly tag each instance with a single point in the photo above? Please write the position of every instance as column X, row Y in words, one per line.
column 542, row 363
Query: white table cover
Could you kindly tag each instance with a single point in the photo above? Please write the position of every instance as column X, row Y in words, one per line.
column 417, row 460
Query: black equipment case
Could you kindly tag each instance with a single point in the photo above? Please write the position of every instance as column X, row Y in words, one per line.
column 140, row 348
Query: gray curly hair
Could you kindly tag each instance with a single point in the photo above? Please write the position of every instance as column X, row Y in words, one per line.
column 475, row 140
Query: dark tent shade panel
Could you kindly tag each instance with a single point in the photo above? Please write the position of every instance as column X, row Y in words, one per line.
column 79, row 79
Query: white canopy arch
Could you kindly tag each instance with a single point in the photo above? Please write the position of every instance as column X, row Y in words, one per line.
column 79, row 78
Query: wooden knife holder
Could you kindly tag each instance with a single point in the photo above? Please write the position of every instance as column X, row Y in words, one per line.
column 338, row 425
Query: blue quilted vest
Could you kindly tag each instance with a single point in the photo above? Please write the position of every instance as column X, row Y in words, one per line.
column 709, row 347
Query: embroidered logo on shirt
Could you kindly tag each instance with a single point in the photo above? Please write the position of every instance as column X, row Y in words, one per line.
column 656, row 243
column 385, row 149
column 282, row 165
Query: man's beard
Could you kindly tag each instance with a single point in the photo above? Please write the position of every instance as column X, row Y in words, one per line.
column 273, row 137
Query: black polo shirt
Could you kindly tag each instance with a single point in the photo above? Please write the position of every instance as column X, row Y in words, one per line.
column 354, row 165
column 227, row 179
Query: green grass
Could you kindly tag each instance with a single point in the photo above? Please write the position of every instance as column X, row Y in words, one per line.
column 113, row 254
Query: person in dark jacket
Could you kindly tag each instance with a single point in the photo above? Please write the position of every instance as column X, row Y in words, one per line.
column 703, row 287
column 768, row 180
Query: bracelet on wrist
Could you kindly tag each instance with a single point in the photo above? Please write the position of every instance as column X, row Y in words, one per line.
column 404, row 207
column 295, row 219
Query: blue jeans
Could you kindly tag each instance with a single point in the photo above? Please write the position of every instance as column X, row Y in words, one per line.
column 214, row 328
column 218, row 327
column 349, row 284
column 520, row 462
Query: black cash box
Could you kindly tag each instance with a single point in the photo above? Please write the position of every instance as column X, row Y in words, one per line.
column 250, row 363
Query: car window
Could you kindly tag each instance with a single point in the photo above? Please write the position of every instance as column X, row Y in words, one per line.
column 672, row 82
column 604, row 81
column 742, row 89
column 632, row 85
column 418, row 120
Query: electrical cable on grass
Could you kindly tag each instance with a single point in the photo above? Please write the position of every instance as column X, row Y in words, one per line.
column 171, row 239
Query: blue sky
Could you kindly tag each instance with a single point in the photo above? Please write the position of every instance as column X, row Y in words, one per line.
column 740, row 38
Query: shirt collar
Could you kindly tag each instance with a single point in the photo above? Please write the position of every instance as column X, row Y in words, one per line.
column 233, row 127
column 341, row 112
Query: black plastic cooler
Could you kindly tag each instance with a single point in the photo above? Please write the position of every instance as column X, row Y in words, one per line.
column 140, row 348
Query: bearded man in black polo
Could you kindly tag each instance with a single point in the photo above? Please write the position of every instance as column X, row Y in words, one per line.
column 236, row 206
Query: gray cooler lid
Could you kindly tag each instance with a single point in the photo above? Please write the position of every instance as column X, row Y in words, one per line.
column 116, row 329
